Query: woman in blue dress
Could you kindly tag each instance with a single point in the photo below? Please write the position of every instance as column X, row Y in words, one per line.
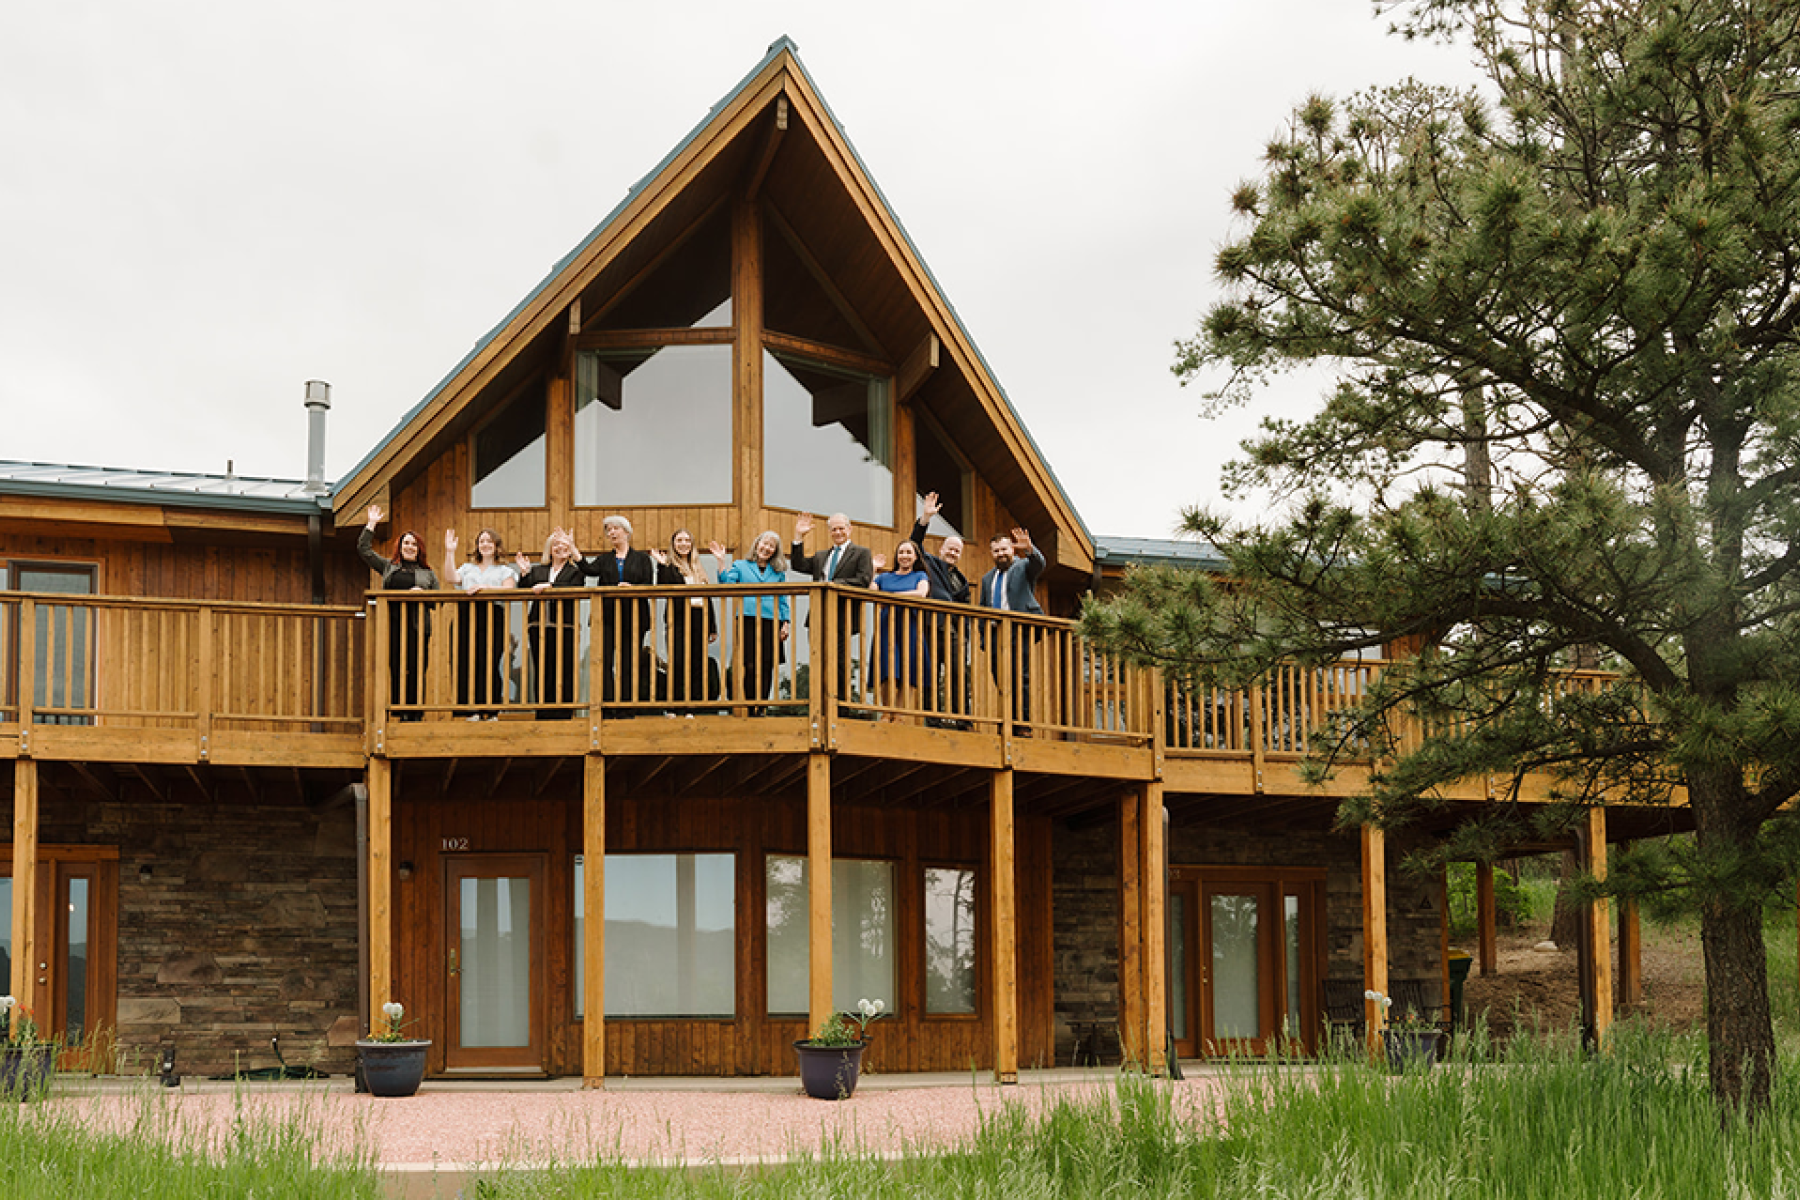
column 901, row 660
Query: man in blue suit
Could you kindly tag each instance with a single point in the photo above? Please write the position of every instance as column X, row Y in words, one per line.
column 1012, row 587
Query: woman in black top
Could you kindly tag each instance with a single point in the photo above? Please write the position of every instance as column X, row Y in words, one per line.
column 551, row 625
column 410, row 634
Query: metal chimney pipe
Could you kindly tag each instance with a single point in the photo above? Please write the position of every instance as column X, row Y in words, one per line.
column 318, row 403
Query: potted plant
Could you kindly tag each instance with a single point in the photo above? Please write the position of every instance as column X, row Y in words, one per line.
column 1410, row 1040
column 26, row 1060
column 831, row 1059
column 393, row 1064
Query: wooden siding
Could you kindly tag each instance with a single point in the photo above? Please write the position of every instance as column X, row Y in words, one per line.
column 534, row 811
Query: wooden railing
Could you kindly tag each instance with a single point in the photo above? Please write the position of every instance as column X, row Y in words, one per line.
column 214, row 668
column 723, row 649
column 129, row 663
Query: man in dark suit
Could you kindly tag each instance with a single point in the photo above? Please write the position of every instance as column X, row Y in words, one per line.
column 948, row 584
column 1012, row 587
column 845, row 563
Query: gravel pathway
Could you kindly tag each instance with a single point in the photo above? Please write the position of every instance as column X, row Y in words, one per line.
column 456, row 1127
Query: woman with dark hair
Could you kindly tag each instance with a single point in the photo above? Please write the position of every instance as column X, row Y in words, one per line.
column 763, row 622
column 898, row 635
column 691, row 627
column 410, row 634
column 481, row 649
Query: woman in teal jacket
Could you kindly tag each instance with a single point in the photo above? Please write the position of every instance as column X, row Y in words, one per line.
column 763, row 622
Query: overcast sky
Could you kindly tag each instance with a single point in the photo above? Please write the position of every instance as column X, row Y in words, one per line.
column 204, row 203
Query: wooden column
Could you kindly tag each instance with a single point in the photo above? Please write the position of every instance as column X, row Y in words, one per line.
column 1374, row 920
column 24, row 883
column 1131, row 928
column 1631, row 955
column 818, row 889
column 381, row 881
column 1002, row 882
column 593, row 933
column 1599, row 928
column 1487, row 947
column 1153, row 878
column 746, row 420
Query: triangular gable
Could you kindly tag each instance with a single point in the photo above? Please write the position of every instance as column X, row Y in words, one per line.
column 779, row 74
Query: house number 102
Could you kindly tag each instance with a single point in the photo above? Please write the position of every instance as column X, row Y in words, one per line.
column 454, row 844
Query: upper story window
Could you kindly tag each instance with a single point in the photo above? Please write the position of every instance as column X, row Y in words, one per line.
column 828, row 439
column 941, row 469
column 653, row 426
column 507, row 455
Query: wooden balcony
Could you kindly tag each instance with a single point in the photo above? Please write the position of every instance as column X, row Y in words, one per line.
column 128, row 680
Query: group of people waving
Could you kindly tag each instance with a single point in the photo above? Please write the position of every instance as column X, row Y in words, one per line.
column 764, row 617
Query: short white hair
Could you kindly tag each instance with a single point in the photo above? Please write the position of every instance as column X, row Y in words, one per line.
column 619, row 521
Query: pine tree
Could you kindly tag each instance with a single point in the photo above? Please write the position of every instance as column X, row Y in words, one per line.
column 1565, row 429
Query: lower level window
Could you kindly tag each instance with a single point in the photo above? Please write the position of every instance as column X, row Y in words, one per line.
column 949, row 940
column 670, row 935
column 862, row 933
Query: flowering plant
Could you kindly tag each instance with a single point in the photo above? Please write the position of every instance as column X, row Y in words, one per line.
column 1407, row 1022
column 19, row 1029
column 849, row 1028
column 393, row 1010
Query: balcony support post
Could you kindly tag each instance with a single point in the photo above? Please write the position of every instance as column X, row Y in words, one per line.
column 24, row 881
column 593, row 936
column 818, row 890
column 381, row 884
column 1003, row 882
column 1374, row 921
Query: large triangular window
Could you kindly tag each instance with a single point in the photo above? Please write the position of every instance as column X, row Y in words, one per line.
column 684, row 285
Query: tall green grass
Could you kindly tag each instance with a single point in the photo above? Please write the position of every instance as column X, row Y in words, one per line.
column 47, row 1152
column 1539, row 1122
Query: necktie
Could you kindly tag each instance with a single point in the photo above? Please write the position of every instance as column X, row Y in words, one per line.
column 831, row 567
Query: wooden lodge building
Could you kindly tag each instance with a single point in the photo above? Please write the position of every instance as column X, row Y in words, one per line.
column 234, row 818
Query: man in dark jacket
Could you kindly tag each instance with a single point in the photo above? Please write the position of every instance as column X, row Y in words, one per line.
column 947, row 583
column 842, row 562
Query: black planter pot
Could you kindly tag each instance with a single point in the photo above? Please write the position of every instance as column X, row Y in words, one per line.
column 25, row 1071
column 393, row 1068
column 1411, row 1048
column 830, row 1072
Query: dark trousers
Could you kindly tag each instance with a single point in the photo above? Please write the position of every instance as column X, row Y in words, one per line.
column 689, row 663
column 409, row 639
column 553, row 661
column 481, row 656
column 759, row 644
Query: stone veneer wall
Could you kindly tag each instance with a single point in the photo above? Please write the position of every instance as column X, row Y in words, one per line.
column 1085, row 900
column 244, row 929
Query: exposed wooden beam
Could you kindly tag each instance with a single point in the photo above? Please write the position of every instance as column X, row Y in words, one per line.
column 1597, row 945
column 199, row 782
column 547, row 772
column 656, row 262
column 380, row 933
column 149, row 784
column 575, row 316
column 871, row 343
column 449, row 774
column 918, row 366
column 501, row 767
column 98, row 777
column 765, row 156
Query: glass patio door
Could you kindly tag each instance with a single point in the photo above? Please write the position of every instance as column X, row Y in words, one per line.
column 494, row 963
column 71, row 989
column 1246, row 952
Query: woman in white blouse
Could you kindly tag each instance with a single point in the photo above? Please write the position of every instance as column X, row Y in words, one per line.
column 482, row 648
